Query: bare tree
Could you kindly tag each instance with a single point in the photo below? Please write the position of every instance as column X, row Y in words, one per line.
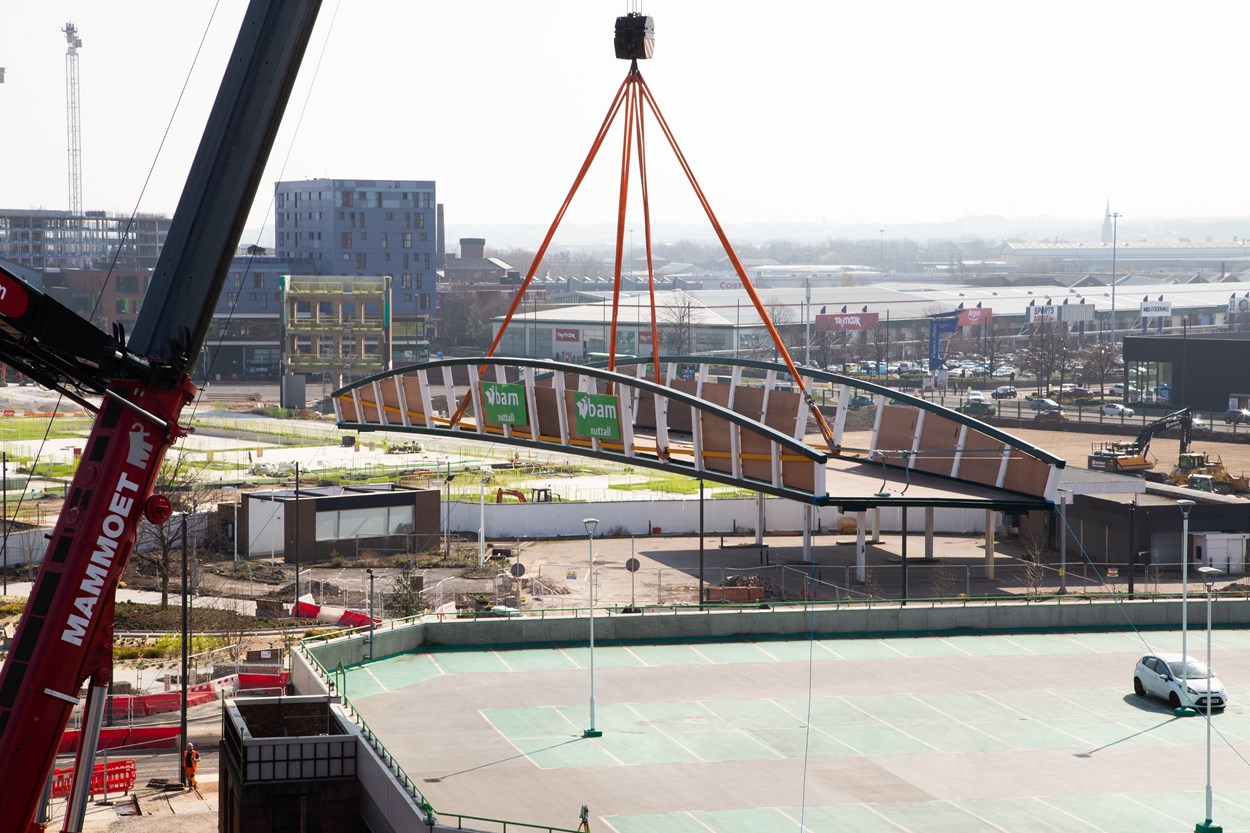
column 786, row 323
column 679, row 317
column 1034, row 563
column 158, row 547
column 1099, row 362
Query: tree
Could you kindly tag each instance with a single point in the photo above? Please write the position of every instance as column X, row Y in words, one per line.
column 1099, row 362
column 787, row 325
column 404, row 598
column 158, row 547
column 679, row 317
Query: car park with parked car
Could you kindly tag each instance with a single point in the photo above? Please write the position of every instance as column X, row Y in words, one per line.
column 1180, row 681
column 1004, row 392
column 1043, row 404
column 1115, row 409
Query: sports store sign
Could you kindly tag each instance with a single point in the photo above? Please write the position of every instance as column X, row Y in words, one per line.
column 568, row 335
column 504, row 404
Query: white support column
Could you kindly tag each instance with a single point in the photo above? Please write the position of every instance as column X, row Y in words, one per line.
column 475, row 391
column 531, row 401
column 405, row 418
column 839, row 417
column 928, row 532
column 989, row 544
column 449, row 393
column 876, row 525
column 861, row 551
column 807, row 533
column 376, row 385
column 959, row 450
column 423, row 392
column 557, row 383
column 759, row 519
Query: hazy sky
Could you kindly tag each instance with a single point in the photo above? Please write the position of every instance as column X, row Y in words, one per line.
column 879, row 113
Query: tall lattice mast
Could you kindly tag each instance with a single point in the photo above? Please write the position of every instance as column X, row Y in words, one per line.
column 72, row 130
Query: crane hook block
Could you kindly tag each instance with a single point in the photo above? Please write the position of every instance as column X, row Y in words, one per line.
column 635, row 37
column 158, row 509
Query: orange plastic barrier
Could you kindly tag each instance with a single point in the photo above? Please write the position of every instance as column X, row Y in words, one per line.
column 120, row 777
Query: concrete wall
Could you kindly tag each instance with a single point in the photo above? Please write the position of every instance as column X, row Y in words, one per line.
column 851, row 621
column 505, row 521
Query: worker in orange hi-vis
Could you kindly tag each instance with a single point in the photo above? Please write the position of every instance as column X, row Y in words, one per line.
column 190, row 764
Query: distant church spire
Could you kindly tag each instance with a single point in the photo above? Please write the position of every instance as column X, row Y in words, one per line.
column 1106, row 224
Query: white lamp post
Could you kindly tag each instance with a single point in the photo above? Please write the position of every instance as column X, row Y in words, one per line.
column 591, row 524
column 1185, row 506
column 485, row 474
column 1208, row 578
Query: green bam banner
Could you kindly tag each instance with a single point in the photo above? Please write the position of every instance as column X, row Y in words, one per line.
column 597, row 416
column 505, row 404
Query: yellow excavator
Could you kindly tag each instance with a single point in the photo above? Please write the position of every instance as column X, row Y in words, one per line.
column 1124, row 457
column 1202, row 472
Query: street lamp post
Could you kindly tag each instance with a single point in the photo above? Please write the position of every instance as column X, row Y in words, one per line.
column 1207, row 826
column 485, row 474
column 1115, row 227
column 591, row 524
column 1185, row 506
column 447, row 512
column 370, row 572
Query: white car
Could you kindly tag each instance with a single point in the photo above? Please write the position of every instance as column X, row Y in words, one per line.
column 976, row 396
column 1179, row 681
column 1115, row 409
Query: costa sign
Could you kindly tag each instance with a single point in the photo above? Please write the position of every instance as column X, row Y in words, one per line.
column 846, row 321
column 568, row 335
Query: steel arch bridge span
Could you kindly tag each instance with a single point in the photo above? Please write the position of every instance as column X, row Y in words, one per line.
column 588, row 411
column 738, row 422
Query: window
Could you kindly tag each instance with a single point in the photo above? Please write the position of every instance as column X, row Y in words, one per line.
column 346, row 200
column 128, row 284
column 420, row 220
column 121, row 306
column 364, row 235
column 258, row 280
column 345, row 240
column 420, row 280
column 232, row 299
column 390, row 215
column 405, row 281
column 425, row 301
column 360, row 260
column 384, row 239
column 406, row 241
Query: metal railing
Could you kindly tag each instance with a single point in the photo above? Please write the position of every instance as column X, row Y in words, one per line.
column 396, row 769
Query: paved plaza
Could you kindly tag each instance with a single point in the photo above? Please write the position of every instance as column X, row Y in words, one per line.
column 960, row 733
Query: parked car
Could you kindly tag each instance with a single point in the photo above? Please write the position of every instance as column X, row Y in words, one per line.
column 976, row 396
column 1053, row 416
column 977, row 408
column 1180, row 680
column 1233, row 416
column 1005, row 392
column 860, row 401
column 1115, row 409
column 1004, row 371
column 1042, row 404
column 1118, row 390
